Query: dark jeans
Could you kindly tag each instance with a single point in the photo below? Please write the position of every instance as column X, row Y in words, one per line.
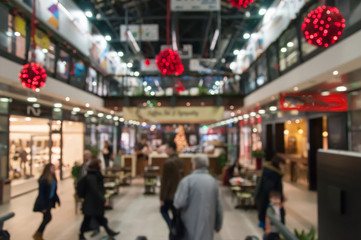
column 272, row 236
column 85, row 226
column 46, row 220
column 168, row 205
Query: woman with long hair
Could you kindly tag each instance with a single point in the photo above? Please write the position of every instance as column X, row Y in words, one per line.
column 94, row 200
column 47, row 198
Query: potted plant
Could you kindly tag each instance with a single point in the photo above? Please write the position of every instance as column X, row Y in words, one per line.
column 94, row 150
column 258, row 155
column 76, row 171
column 306, row 236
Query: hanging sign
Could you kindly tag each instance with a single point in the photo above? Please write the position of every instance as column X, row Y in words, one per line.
column 174, row 114
column 195, row 5
column 143, row 32
column 312, row 102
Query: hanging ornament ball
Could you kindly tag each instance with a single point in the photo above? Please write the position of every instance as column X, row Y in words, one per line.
column 169, row 62
column 240, row 3
column 147, row 62
column 32, row 76
column 323, row 26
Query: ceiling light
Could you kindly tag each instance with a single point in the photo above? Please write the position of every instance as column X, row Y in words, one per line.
column 67, row 99
column 121, row 119
column 261, row 111
column 325, row 134
column 37, row 90
column 116, row 118
column 28, row 119
column 120, row 54
column 341, row 89
column 144, row 124
column 87, row 105
column 290, row 44
column 246, row 36
column 300, row 131
column 223, row 60
column 36, row 105
column 273, row 108
column 232, row 114
column 236, row 52
column 13, row 119
column 129, row 65
column 58, row 105
column 136, row 74
column 108, row 37
column 262, row 11
column 283, row 49
column 89, row 14
column 297, row 121
column 57, row 110
column 90, row 112
column 286, row 132
column 240, row 118
column 76, row 109
column 32, row 99
column 100, row 115
column 5, row 100
column 214, row 40
column 17, row 34
column 335, row 73
column 253, row 114
column 109, row 116
column 111, row 112
column 296, row 89
column 325, row 93
column 44, row 50
column 245, row 116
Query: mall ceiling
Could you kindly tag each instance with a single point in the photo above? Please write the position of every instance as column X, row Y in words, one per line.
column 195, row 28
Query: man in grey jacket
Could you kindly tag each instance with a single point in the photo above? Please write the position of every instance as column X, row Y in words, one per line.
column 198, row 199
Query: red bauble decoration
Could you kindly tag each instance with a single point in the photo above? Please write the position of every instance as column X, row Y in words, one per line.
column 240, row 3
column 32, row 76
column 147, row 62
column 169, row 62
column 323, row 26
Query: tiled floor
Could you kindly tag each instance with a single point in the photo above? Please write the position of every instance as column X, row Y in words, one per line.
column 135, row 214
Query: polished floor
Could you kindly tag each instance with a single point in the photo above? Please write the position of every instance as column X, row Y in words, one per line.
column 135, row 215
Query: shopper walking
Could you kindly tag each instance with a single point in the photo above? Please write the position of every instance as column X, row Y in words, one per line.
column 107, row 153
column 94, row 200
column 173, row 172
column 198, row 199
column 271, row 180
column 47, row 198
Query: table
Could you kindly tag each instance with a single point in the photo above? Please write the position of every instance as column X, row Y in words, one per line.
column 243, row 190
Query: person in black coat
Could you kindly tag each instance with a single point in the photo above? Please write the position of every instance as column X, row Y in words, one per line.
column 47, row 198
column 94, row 200
column 271, row 180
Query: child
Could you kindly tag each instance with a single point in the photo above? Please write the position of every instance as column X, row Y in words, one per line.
column 275, row 210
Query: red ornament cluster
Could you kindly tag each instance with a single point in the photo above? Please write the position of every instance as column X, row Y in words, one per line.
column 169, row 62
column 32, row 76
column 323, row 26
column 147, row 62
column 240, row 3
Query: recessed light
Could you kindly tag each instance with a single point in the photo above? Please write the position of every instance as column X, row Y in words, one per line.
column 76, row 109
column 32, row 99
column 262, row 11
column 283, row 49
column 111, row 112
column 296, row 89
column 108, row 37
column 120, row 54
column 246, row 36
column 286, row 132
column 89, row 14
column 121, row 119
column 67, row 99
column 341, row 89
column 116, row 118
column 240, row 118
column 290, row 44
column 261, row 111
column 28, row 119
column 232, row 114
column 57, row 110
column 335, row 73
column 109, row 116
column 13, row 119
column 100, row 115
column 246, row 116
column 17, row 34
column 37, row 90
column 129, row 65
column 273, row 108
column 253, row 114
column 44, row 50
column 5, row 100
column 236, row 52
column 90, row 112
column 87, row 105
column 325, row 93
column 36, row 105
column 58, row 105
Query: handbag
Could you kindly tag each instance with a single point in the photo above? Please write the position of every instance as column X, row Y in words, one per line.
column 177, row 228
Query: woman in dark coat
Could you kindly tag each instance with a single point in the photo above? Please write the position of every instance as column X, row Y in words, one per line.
column 94, row 200
column 47, row 198
column 271, row 181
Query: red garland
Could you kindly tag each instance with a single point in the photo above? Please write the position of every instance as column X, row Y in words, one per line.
column 323, row 26
column 32, row 76
column 240, row 3
column 169, row 62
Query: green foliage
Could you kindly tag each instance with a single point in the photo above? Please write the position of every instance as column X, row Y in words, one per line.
column 76, row 170
column 202, row 90
column 306, row 236
column 258, row 154
column 221, row 159
column 93, row 149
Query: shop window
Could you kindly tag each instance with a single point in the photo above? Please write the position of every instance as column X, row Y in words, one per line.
column 250, row 83
column 63, row 65
column 44, row 52
column 16, row 36
column 262, row 72
column 77, row 74
column 4, row 143
column 350, row 10
column 91, row 80
column 106, row 86
column 273, row 64
column 100, row 86
column 288, row 49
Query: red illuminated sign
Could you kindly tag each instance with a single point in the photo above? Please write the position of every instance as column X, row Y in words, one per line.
column 311, row 102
